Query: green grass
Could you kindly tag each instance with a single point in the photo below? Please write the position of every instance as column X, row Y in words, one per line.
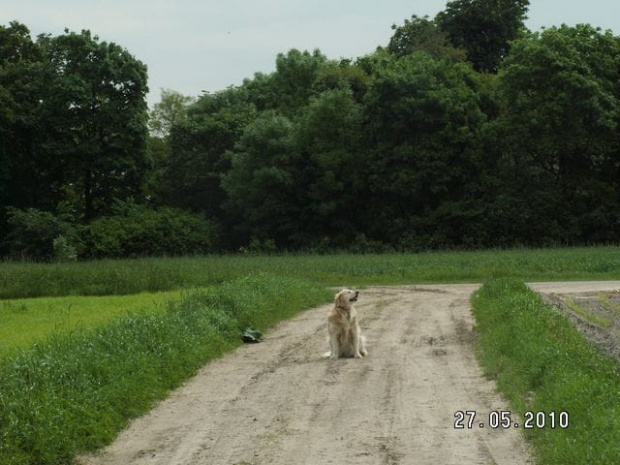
column 25, row 321
column 543, row 364
column 74, row 392
column 118, row 277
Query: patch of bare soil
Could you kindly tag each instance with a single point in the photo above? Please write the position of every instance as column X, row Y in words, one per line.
column 280, row 402
column 596, row 314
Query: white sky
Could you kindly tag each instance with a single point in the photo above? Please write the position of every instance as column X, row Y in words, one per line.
column 195, row 45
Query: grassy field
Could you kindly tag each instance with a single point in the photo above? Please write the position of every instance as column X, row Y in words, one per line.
column 543, row 364
column 119, row 277
column 25, row 321
column 45, row 299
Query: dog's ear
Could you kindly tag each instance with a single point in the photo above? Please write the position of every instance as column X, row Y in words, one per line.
column 341, row 301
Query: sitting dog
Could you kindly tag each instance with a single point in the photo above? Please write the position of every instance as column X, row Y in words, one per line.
column 345, row 336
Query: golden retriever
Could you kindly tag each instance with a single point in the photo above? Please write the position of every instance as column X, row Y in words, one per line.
column 345, row 336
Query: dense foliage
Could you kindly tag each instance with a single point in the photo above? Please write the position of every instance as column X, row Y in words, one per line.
column 466, row 130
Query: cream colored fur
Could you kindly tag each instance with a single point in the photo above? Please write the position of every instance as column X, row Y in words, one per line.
column 345, row 336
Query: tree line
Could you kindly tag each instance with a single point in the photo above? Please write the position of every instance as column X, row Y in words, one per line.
column 465, row 131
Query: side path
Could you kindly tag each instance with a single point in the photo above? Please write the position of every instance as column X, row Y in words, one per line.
column 279, row 402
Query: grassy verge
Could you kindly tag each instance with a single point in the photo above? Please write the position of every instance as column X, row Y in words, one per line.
column 115, row 277
column 542, row 364
column 74, row 393
column 25, row 321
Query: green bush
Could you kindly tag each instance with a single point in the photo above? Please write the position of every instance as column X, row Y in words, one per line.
column 33, row 232
column 136, row 231
column 63, row 250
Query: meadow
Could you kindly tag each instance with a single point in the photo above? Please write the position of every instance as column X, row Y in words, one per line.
column 122, row 277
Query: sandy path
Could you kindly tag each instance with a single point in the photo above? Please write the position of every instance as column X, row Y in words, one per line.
column 279, row 402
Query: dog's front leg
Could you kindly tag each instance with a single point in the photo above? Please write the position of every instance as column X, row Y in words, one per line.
column 334, row 344
column 356, row 345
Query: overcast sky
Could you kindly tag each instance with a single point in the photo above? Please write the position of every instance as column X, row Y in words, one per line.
column 206, row 45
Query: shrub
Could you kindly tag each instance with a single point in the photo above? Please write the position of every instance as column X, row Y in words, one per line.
column 257, row 247
column 140, row 231
column 33, row 232
column 364, row 245
column 63, row 250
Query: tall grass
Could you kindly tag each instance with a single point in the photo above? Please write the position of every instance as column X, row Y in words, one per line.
column 73, row 394
column 158, row 274
column 543, row 364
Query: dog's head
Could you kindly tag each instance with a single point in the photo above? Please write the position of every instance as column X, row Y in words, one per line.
column 345, row 297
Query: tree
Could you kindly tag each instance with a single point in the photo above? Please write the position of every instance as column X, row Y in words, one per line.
column 95, row 118
column 74, row 120
column 342, row 74
column 328, row 136
column 170, row 111
column 559, row 126
column 422, row 35
column 261, row 91
column 424, row 119
column 295, row 74
column 198, row 151
column 263, row 181
column 484, row 28
column 290, row 87
column 27, row 176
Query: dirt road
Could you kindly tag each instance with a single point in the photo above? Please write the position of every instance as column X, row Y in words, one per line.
column 280, row 402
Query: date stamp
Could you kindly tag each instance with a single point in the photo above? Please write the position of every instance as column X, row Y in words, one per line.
column 504, row 419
